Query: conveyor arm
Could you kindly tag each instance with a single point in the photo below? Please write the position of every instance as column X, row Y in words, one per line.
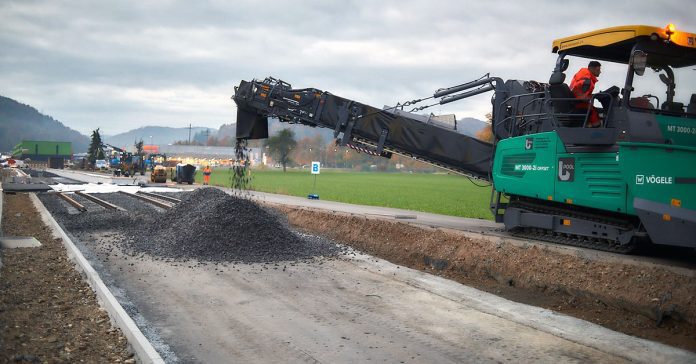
column 367, row 128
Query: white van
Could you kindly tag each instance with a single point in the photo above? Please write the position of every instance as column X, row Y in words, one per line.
column 101, row 164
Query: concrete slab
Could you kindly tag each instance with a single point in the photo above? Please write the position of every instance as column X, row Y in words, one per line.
column 24, row 187
column 12, row 242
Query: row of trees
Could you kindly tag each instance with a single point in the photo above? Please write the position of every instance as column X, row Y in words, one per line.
column 224, row 137
column 212, row 141
column 288, row 152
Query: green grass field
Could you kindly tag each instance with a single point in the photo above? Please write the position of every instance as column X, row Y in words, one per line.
column 436, row 193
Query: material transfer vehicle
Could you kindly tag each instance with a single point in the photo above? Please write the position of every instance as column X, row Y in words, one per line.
column 630, row 181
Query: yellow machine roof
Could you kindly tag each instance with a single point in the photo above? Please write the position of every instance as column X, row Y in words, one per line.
column 615, row 44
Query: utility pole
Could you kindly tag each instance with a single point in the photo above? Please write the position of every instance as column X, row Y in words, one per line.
column 189, row 140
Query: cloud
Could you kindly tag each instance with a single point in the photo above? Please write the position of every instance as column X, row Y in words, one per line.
column 121, row 65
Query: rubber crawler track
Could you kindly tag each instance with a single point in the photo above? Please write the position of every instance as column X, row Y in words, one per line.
column 573, row 239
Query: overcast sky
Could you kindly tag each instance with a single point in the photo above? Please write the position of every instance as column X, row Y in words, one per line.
column 119, row 65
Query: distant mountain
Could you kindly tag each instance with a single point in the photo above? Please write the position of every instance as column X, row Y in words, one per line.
column 470, row 126
column 227, row 131
column 161, row 135
column 165, row 135
column 22, row 122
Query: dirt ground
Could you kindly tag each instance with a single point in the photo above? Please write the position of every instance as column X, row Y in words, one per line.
column 651, row 302
column 48, row 313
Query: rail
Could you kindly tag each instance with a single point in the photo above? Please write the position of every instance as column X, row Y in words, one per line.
column 72, row 202
column 99, row 201
column 162, row 197
column 148, row 199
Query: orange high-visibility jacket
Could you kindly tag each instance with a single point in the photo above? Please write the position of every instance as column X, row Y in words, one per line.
column 583, row 84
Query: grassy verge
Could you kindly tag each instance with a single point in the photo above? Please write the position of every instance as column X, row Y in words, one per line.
column 436, row 193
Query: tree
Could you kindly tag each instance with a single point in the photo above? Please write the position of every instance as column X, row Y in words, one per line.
column 139, row 148
column 486, row 133
column 309, row 149
column 95, row 150
column 280, row 146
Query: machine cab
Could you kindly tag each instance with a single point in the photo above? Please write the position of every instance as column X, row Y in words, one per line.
column 657, row 99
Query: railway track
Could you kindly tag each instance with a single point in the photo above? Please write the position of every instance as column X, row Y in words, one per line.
column 151, row 200
column 162, row 197
column 99, row 201
column 80, row 207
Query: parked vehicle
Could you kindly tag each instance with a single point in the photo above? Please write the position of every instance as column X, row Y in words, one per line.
column 159, row 174
column 101, row 164
column 185, row 173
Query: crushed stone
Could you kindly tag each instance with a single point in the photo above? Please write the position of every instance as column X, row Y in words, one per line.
column 208, row 226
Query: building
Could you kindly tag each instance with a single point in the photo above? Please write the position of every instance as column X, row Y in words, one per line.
column 208, row 155
column 38, row 150
column 150, row 149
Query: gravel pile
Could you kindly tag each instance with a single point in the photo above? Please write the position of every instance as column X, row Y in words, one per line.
column 210, row 225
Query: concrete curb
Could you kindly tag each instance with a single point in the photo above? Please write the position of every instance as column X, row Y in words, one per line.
column 2, row 194
column 144, row 351
column 579, row 331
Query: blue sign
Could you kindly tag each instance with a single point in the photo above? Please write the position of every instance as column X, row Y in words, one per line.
column 315, row 168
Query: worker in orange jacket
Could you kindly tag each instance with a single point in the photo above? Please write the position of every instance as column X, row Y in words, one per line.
column 582, row 85
column 206, row 175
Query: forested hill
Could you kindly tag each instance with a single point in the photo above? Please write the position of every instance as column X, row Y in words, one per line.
column 22, row 122
column 158, row 135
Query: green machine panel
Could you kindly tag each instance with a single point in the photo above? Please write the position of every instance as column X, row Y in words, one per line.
column 538, row 166
column 526, row 165
column 659, row 173
column 678, row 130
column 592, row 180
